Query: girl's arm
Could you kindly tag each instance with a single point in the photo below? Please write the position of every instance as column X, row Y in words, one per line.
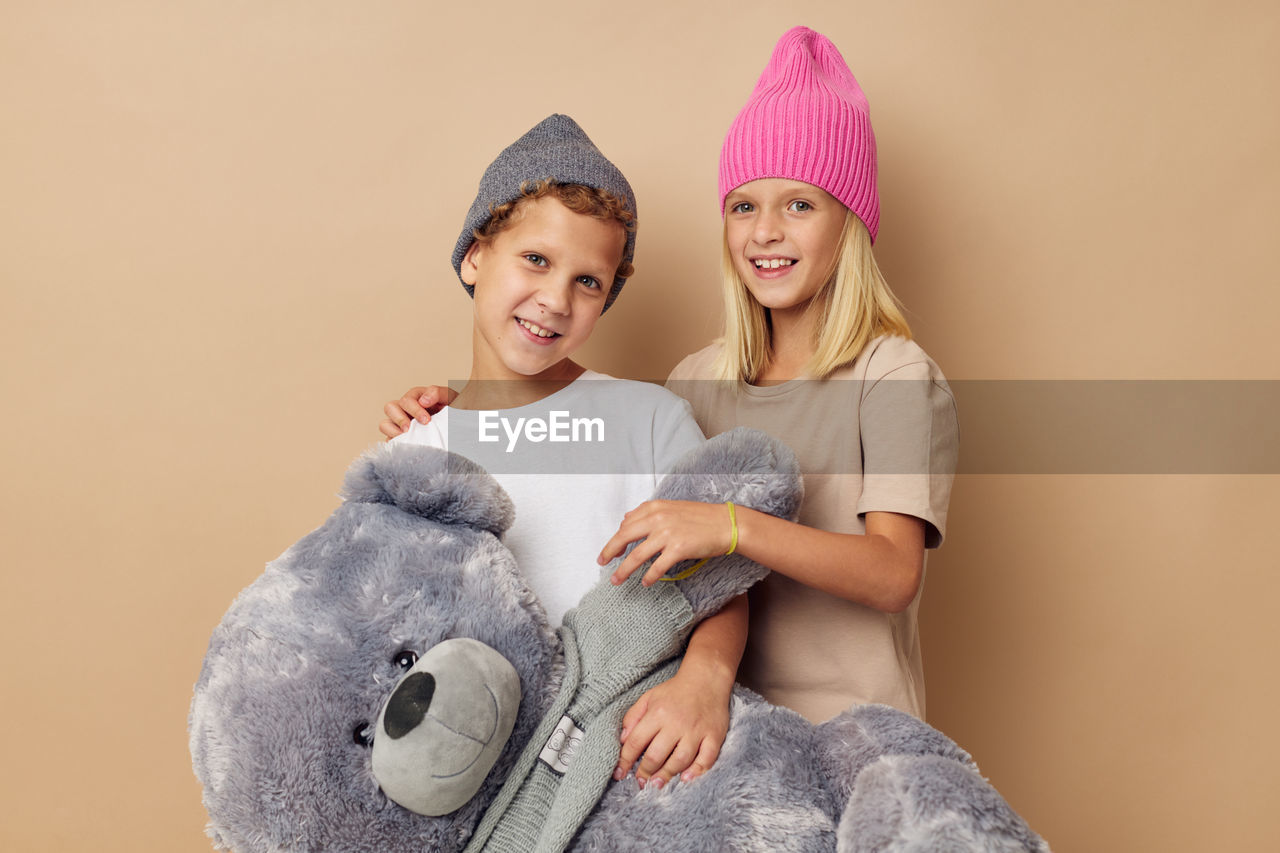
column 678, row 727
column 418, row 404
column 881, row 568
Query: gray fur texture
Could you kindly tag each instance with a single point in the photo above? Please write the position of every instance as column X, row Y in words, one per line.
column 299, row 668
column 306, row 655
column 930, row 804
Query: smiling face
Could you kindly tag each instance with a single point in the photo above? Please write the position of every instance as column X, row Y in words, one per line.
column 540, row 285
column 783, row 237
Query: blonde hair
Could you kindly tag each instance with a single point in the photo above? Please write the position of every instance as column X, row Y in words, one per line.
column 588, row 201
column 853, row 307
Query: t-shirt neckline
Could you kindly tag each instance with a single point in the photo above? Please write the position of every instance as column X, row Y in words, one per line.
column 773, row 390
column 587, row 373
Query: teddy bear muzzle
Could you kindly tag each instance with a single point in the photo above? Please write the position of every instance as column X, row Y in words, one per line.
column 443, row 727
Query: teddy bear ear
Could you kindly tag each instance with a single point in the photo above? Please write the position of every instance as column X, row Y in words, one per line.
column 435, row 484
column 744, row 465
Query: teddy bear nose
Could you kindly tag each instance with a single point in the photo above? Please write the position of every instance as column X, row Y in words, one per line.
column 408, row 704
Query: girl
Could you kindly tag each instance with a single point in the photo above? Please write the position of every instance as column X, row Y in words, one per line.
column 816, row 352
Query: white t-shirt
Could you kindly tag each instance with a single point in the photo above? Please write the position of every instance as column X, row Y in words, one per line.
column 573, row 463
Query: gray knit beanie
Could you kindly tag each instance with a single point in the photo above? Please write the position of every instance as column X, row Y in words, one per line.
column 555, row 149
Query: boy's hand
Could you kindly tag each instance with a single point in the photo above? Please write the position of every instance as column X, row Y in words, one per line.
column 675, row 729
column 418, row 403
column 672, row 531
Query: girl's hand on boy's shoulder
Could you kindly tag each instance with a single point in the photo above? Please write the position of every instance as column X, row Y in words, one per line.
column 672, row 531
column 419, row 403
column 674, row 729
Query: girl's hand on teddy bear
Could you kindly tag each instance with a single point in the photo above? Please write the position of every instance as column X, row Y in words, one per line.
column 672, row 531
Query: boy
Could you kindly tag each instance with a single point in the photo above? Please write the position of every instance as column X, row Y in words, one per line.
column 544, row 251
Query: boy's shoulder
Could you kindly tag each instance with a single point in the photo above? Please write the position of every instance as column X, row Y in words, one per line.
column 655, row 424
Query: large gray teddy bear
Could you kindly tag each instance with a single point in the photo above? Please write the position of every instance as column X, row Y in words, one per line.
column 391, row 684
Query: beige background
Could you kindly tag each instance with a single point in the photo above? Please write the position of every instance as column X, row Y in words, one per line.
column 224, row 230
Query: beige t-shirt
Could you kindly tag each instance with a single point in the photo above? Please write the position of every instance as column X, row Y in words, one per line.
column 878, row 435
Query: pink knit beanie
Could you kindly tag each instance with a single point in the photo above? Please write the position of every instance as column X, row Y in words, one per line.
column 807, row 120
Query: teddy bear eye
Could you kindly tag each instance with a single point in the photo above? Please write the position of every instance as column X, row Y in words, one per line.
column 406, row 658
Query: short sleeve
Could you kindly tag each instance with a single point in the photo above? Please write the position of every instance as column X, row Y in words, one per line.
column 693, row 379
column 910, row 446
column 675, row 433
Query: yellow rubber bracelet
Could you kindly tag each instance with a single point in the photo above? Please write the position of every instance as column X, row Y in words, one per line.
column 733, row 545
column 687, row 572
column 733, row 523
